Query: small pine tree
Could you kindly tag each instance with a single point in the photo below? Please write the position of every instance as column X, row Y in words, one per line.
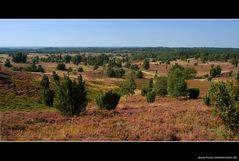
column 108, row 100
column 160, row 86
column 61, row 66
column 47, row 93
column 213, row 72
column 218, row 70
column 177, row 85
column 70, row 96
column 150, row 97
column 193, row 93
column 146, row 64
column 7, row 63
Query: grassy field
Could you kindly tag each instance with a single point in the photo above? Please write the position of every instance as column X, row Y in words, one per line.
column 23, row 117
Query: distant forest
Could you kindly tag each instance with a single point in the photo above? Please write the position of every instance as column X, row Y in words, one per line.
column 139, row 53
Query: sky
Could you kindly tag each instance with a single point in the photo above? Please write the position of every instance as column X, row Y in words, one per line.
column 119, row 33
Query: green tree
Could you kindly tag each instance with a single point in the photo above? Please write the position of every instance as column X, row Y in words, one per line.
column 76, row 59
column 218, row 70
column 70, row 96
column 213, row 72
column 134, row 67
column 150, row 97
column 47, row 93
column 190, row 73
column 56, row 78
column 117, row 73
column 7, row 63
column 223, row 96
column 234, row 62
column 19, row 58
column 61, row 66
column 146, row 64
column 35, row 60
column 67, row 58
column 193, row 93
column 127, row 87
column 177, row 85
column 160, row 86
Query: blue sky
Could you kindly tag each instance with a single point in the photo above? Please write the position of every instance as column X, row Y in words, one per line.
column 106, row 33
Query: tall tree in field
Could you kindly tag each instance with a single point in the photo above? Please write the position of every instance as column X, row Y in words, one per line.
column 127, row 87
column 70, row 96
column 146, row 64
column 177, row 85
column 47, row 93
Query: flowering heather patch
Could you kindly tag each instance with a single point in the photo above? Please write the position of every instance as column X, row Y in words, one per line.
column 167, row 119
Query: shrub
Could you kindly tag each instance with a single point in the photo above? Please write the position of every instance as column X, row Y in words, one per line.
column 160, row 86
column 67, row 58
column 19, row 58
column 150, row 97
column 47, row 93
column 213, row 72
column 144, row 91
column 224, row 97
column 193, row 93
column 127, row 87
column 34, row 68
column 108, row 100
column 70, row 96
column 76, row 59
column 118, row 73
column 206, row 100
column 61, row 66
column 7, row 63
column 139, row 74
column 190, row 73
column 48, row 97
column 134, row 67
column 146, row 64
column 218, row 70
column 234, row 62
column 80, row 69
column 177, row 85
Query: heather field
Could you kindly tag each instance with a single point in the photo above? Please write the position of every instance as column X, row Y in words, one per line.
column 23, row 117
